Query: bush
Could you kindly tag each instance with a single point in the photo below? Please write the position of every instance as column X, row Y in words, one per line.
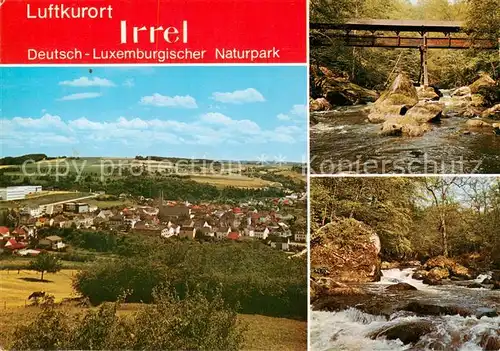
column 171, row 323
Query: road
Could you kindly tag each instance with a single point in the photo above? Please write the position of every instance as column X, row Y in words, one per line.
column 72, row 200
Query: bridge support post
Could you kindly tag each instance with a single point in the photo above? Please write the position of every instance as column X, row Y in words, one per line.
column 424, row 77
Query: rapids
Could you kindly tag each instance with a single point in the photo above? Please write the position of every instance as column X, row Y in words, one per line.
column 351, row 328
column 343, row 141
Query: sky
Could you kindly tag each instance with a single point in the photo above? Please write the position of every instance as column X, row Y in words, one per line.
column 229, row 113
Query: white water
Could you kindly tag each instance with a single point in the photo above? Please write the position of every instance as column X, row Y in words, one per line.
column 350, row 329
column 396, row 275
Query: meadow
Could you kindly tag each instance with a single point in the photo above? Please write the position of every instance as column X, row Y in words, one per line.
column 263, row 333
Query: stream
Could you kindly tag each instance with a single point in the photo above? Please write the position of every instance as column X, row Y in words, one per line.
column 345, row 142
column 350, row 329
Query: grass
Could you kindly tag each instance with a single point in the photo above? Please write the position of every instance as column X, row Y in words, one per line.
column 16, row 287
column 231, row 180
column 110, row 203
column 16, row 263
column 43, row 200
column 263, row 333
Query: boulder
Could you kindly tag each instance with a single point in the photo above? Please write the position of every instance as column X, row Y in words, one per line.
column 407, row 332
column 463, row 91
column 395, row 101
column 492, row 113
column 426, row 111
column 400, row 287
column 484, row 81
column 438, row 273
column 496, row 285
column 346, row 248
column 474, row 286
column 428, row 93
column 490, row 341
column 391, row 128
column 389, row 265
column 336, row 88
column 320, row 104
column 432, row 281
column 477, row 101
column 420, row 274
column 454, row 269
column 477, row 123
column 425, row 309
column 486, row 312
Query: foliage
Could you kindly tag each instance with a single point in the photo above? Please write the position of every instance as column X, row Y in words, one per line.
column 249, row 275
column 171, row 323
column 415, row 217
column 45, row 262
column 374, row 67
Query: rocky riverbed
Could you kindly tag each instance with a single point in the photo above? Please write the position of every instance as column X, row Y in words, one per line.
column 381, row 316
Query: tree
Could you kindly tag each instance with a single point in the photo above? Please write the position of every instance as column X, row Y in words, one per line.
column 45, row 262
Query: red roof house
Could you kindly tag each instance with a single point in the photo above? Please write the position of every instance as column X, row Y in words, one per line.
column 233, row 236
column 4, row 231
column 12, row 244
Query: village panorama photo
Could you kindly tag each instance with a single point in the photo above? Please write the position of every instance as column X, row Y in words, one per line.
column 153, row 208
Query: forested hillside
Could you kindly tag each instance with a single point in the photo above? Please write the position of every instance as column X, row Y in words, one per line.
column 416, row 218
column 374, row 67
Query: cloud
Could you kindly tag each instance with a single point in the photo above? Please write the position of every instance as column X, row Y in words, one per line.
column 84, row 82
column 239, row 96
column 84, row 124
column 47, row 121
column 299, row 110
column 80, row 96
column 212, row 128
column 283, row 117
column 296, row 114
column 129, row 83
column 167, row 101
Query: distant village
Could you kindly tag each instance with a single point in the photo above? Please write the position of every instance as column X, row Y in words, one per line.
column 269, row 221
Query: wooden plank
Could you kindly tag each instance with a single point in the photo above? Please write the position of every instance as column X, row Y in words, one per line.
column 409, row 43
column 393, row 25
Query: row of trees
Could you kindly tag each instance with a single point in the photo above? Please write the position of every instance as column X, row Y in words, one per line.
column 373, row 67
column 416, row 217
column 250, row 276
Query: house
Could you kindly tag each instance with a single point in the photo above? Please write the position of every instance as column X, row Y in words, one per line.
column 233, row 235
column 168, row 232
column 300, row 237
column 261, row 234
column 20, row 232
column 4, row 232
column 221, row 233
column 54, row 242
column 59, row 221
column 116, row 220
column 281, row 244
column 33, row 211
column 13, row 244
column 83, row 221
column 28, row 252
column 187, row 232
column 167, row 213
column 205, row 231
column 76, row 207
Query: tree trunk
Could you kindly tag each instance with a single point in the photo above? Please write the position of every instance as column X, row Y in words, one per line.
column 444, row 236
column 42, row 276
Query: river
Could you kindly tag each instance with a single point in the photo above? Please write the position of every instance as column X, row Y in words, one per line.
column 350, row 329
column 345, row 142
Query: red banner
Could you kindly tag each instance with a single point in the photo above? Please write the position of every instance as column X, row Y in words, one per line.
column 152, row 31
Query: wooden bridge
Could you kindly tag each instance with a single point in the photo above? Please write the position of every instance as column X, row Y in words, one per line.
column 352, row 37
